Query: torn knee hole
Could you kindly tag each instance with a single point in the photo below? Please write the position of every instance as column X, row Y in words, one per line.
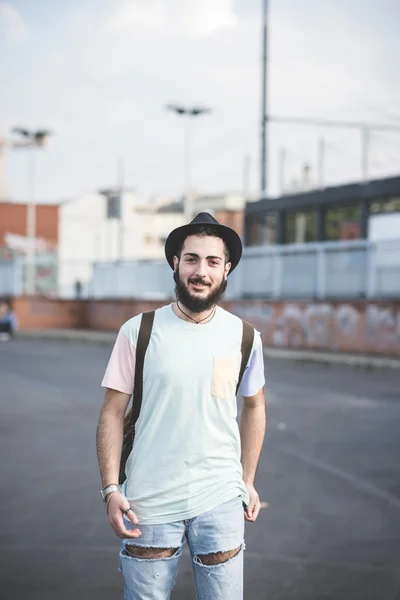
column 149, row 553
column 217, row 558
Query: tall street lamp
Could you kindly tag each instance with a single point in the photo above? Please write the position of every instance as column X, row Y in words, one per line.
column 188, row 112
column 33, row 140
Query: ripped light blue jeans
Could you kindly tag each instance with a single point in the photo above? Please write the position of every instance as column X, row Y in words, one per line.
column 211, row 537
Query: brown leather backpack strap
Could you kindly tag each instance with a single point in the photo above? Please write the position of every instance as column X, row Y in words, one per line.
column 247, row 345
column 132, row 416
column 146, row 326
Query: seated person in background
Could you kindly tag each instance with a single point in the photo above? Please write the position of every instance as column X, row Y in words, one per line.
column 8, row 321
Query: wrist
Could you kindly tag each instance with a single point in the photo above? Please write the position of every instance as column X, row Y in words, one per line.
column 108, row 489
column 248, row 481
column 108, row 484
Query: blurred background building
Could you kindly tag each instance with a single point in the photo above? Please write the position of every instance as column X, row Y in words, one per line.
column 106, row 226
column 355, row 211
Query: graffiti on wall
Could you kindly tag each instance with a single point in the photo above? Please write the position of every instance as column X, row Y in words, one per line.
column 382, row 327
column 369, row 327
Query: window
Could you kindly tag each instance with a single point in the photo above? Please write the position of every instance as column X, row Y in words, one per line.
column 385, row 206
column 261, row 230
column 269, row 230
column 300, row 227
column 114, row 207
column 343, row 223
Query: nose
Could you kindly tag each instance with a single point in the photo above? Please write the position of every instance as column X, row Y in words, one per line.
column 201, row 270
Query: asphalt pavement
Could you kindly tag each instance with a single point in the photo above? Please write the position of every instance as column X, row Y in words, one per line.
column 329, row 471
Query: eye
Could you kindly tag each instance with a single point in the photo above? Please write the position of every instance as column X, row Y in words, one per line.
column 214, row 263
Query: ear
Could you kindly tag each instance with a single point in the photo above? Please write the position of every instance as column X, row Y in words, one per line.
column 176, row 262
column 227, row 268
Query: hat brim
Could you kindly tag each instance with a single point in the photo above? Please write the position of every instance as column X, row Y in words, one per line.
column 230, row 237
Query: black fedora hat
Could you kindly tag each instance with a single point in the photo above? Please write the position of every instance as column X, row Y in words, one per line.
column 230, row 237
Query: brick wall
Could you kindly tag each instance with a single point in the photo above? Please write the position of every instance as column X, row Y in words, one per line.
column 110, row 315
column 366, row 327
column 13, row 220
column 42, row 313
column 231, row 218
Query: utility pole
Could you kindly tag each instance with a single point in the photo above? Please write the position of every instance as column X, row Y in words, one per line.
column 31, row 225
column 246, row 178
column 188, row 114
column 2, row 170
column 282, row 170
column 365, row 132
column 32, row 141
column 121, row 185
column 321, row 162
column 264, row 115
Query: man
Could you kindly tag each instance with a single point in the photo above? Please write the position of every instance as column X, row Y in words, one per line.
column 190, row 475
column 8, row 321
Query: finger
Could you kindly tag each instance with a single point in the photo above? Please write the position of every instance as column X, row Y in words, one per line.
column 122, row 532
column 256, row 511
column 248, row 516
column 118, row 524
column 250, row 508
column 128, row 512
column 125, row 533
column 252, row 511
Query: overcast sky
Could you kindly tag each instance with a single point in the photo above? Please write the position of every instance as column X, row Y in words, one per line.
column 99, row 73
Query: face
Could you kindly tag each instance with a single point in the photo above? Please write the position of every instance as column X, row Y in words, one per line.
column 201, row 273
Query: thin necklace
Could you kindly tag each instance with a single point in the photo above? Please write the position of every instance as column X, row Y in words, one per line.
column 201, row 320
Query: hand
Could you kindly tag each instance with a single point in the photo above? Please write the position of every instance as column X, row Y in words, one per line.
column 116, row 505
column 251, row 513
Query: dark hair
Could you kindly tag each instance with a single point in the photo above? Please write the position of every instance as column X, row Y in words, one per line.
column 203, row 231
column 6, row 300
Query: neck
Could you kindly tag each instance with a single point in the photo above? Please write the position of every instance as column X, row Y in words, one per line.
column 190, row 316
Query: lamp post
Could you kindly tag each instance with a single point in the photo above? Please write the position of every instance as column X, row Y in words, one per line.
column 32, row 140
column 182, row 111
column 264, row 103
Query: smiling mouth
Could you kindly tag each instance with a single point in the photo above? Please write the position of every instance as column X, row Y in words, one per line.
column 199, row 285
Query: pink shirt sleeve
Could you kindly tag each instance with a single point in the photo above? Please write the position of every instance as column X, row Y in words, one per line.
column 253, row 376
column 120, row 372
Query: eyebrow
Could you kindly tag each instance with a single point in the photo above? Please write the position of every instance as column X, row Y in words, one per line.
column 197, row 256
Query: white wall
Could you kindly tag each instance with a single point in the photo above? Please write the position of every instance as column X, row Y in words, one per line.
column 86, row 236
column 384, row 227
column 223, row 202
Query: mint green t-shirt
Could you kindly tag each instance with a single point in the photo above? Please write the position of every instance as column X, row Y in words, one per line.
column 186, row 454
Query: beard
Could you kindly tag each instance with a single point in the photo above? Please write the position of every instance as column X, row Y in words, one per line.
column 197, row 304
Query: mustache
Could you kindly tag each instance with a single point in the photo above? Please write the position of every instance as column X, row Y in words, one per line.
column 198, row 281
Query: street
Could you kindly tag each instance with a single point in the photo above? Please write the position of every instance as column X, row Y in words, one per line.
column 329, row 471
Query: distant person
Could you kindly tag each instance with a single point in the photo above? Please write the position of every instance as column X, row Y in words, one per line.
column 190, row 475
column 8, row 321
column 78, row 289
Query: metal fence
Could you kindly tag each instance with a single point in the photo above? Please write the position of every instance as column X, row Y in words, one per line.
column 151, row 279
column 351, row 269
column 11, row 278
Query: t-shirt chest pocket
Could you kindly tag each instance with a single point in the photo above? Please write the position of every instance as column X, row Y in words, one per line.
column 225, row 377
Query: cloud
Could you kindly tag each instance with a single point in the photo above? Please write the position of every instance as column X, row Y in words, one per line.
column 114, row 65
column 188, row 18
column 12, row 23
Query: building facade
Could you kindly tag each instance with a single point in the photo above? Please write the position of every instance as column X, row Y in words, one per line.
column 332, row 214
column 93, row 231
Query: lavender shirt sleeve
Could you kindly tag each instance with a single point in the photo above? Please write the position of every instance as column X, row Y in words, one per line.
column 120, row 372
column 253, row 377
